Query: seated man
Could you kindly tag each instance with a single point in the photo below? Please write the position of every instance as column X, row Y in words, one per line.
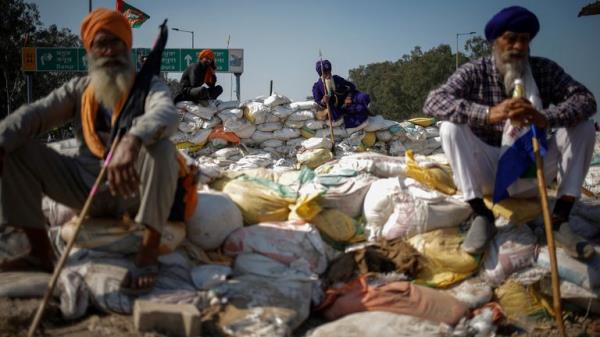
column 142, row 174
column 196, row 76
column 340, row 97
column 476, row 101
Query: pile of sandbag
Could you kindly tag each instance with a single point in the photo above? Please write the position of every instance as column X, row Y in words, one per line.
column 274, row 128
column 284, row 230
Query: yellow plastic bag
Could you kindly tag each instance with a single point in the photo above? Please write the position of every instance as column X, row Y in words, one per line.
column 369, row 139
column 422, row 121
column 446, row 263
column 517, row 211
column 314, row 158
column 520, row 302
column 438, row 177
column 186, row 145
column 307, row 133
column 260, row 200
column 336, row 225
column 306, row 207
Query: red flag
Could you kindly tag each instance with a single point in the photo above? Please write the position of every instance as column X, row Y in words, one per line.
column 135, row 16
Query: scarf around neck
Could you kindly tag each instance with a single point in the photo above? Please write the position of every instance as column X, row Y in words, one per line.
column 89, row 111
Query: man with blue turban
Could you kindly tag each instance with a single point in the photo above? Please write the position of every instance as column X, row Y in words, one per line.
column 475, row 104
column 340, row 96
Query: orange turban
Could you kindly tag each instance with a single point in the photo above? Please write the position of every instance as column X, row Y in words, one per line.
column 105, row 19
column 206, row 53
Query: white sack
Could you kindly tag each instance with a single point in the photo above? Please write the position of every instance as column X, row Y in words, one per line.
column 286, row 133
column 316, row 143
column 216, row 216
column 267, row 127
column 276, row 99
column 301, row 115
column 304, row 105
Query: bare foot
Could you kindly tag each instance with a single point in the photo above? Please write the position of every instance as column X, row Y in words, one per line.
column 143, row 277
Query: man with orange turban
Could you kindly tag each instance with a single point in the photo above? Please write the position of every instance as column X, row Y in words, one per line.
column 142, row 174
column 196, row 76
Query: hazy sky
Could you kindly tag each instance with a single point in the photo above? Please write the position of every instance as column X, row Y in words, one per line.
column 281, row 38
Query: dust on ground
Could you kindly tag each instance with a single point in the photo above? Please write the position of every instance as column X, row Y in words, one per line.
column 17, row 314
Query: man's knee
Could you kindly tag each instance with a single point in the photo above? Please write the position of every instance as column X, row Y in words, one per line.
column 582, row 135
column 362, row 98
column 449, row 132
column 215, row 91
column 586, row 131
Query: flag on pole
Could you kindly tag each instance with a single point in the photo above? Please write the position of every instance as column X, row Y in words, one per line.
column 516, row 156
column 135, row 16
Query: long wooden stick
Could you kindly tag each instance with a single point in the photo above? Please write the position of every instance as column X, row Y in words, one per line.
column 330, row 127
column 327, row 105
column 549, row 237
column 63, row 259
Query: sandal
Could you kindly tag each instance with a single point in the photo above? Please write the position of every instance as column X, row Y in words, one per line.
column 129, row 285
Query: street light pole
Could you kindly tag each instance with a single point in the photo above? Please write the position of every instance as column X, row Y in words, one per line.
column 186, row 31
column 457, row 35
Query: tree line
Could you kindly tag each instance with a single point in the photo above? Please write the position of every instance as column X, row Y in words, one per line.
column 398, row 89
column 20, row 26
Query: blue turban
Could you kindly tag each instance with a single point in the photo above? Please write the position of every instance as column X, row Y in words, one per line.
column 326, row 66
column 515, row 19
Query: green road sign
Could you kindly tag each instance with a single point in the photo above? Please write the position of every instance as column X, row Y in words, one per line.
column 173, row 60
column 81, row 60
column 58, row 59
column 189, row 56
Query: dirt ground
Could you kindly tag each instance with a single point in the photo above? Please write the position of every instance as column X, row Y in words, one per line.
column 16, row 315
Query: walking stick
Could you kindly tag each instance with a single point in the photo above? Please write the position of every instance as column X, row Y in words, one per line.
column 549, row 235
column 327, row 106
column 65, row 254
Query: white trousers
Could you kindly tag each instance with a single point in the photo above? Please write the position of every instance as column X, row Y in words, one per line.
column 474, row 162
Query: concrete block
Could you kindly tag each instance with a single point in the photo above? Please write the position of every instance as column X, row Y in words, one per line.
column 169, row 319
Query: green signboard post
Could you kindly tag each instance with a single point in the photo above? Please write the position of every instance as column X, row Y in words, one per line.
column 173, row 60
column 189, row 56
column 60, row 59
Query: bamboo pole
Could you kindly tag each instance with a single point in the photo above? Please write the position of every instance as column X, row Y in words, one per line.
column 330, row 127
column 549, row 238
column 63, row 259
column 327, row 106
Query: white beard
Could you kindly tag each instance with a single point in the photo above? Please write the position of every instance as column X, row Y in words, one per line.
column 509, row 68
column 110, row 82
